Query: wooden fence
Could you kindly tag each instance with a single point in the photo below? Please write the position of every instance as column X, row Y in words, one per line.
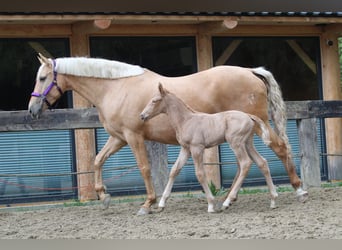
column 305, row 112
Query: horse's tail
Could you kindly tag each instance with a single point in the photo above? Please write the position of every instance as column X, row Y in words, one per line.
column 265, row 134
column 276, row 103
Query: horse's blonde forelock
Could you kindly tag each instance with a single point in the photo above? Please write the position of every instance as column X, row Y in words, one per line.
column 96, row 67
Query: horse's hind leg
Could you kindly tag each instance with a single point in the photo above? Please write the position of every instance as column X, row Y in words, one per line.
column 176, row 168
column 112, row 145
column 263, row 166
column 284, row 153
column 244, row 163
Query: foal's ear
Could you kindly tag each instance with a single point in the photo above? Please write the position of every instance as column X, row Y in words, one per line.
column 161, row 89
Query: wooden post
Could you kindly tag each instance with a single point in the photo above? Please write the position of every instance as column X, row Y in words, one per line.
column 157, row 154
column 205, row 61
column 332, row 91
column 310, row 165
column 84, row 138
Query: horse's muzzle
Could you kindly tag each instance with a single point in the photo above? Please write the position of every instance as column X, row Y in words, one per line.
column 36, row 110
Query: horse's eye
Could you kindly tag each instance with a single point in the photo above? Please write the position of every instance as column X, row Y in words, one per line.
column 42, row 78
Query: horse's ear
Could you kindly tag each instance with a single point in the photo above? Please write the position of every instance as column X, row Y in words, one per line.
column 42, row 59
column 161, row 89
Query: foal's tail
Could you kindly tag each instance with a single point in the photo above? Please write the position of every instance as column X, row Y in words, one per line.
column 265, row 134
column 276, row 103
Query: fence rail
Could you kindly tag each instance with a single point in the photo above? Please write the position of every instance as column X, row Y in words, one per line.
column 88, row 118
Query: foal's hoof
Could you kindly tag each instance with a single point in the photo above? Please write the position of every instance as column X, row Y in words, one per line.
column 106, row 201
column 144, row 211
column 302, row 195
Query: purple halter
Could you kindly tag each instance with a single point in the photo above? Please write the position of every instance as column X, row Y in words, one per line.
column 48, row 89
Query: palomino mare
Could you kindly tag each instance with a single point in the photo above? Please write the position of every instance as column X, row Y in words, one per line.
column 120, row 91
column 196, row 131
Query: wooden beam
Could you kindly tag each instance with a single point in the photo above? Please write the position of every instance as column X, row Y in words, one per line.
column 332, row 91
column 302, row 55
column 204, row 52
column 85, row 118
column 84, row 139
column 50, row 120
column 227, row 52
column 28, row 30
column 53, row 18
column 211, row 155
column 102, row 23
column 216, row 28
column 310, row 163
column 230, row 22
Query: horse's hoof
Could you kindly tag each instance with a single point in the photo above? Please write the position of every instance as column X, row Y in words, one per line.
column 106, row 201
column 302, row 195
column 144, row 211
column 218, row 206
column 273, row 205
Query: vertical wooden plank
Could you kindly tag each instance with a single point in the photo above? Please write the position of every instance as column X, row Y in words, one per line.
column 84, row 138
column 332, row 91
column 205, row 61
column 310, row 166
column 157, row 154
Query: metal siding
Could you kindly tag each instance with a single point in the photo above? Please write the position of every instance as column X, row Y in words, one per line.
column 35, row 152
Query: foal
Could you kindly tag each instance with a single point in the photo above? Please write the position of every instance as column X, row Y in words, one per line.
column 196, row 131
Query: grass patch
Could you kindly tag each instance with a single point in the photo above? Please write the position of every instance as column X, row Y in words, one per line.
column 74, row 203
column 331, row 184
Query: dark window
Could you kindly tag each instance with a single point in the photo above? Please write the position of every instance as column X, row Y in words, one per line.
column 293, row 61
column 170, row 56
column 19, row 65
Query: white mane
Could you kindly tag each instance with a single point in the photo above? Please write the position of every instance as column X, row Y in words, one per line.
column 95, row 67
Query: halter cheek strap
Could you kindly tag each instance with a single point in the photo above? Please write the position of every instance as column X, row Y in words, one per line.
column 48, row 89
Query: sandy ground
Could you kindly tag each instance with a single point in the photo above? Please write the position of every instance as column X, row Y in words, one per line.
column 185, row 217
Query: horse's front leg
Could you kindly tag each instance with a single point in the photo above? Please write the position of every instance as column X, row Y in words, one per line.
column 138, row 147
column 176, row 168
column 112, row 145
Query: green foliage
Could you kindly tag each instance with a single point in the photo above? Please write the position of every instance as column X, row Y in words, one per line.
column 74, row 203
column 216, row 192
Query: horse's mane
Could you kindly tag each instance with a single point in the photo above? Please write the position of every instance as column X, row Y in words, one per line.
column 96, row 67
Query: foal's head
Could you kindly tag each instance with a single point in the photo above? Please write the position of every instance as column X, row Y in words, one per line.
column 156, row 105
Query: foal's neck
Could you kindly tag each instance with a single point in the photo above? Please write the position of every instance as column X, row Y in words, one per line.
column 177, row 111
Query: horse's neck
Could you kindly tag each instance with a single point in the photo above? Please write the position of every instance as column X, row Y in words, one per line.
column 178, row 112
column 91, row 89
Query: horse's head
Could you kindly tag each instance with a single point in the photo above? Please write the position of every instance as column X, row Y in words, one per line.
column 46, row 91
column 155, row 106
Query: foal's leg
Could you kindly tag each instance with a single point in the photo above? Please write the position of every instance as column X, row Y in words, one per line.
column 244, row 163
column 138, row 147
column 197, row 156
column 176, row 168
column 263, row 166
column 112, row 145
column 284, row 153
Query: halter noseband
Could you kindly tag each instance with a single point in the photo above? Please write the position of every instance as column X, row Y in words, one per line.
column 48, row 89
